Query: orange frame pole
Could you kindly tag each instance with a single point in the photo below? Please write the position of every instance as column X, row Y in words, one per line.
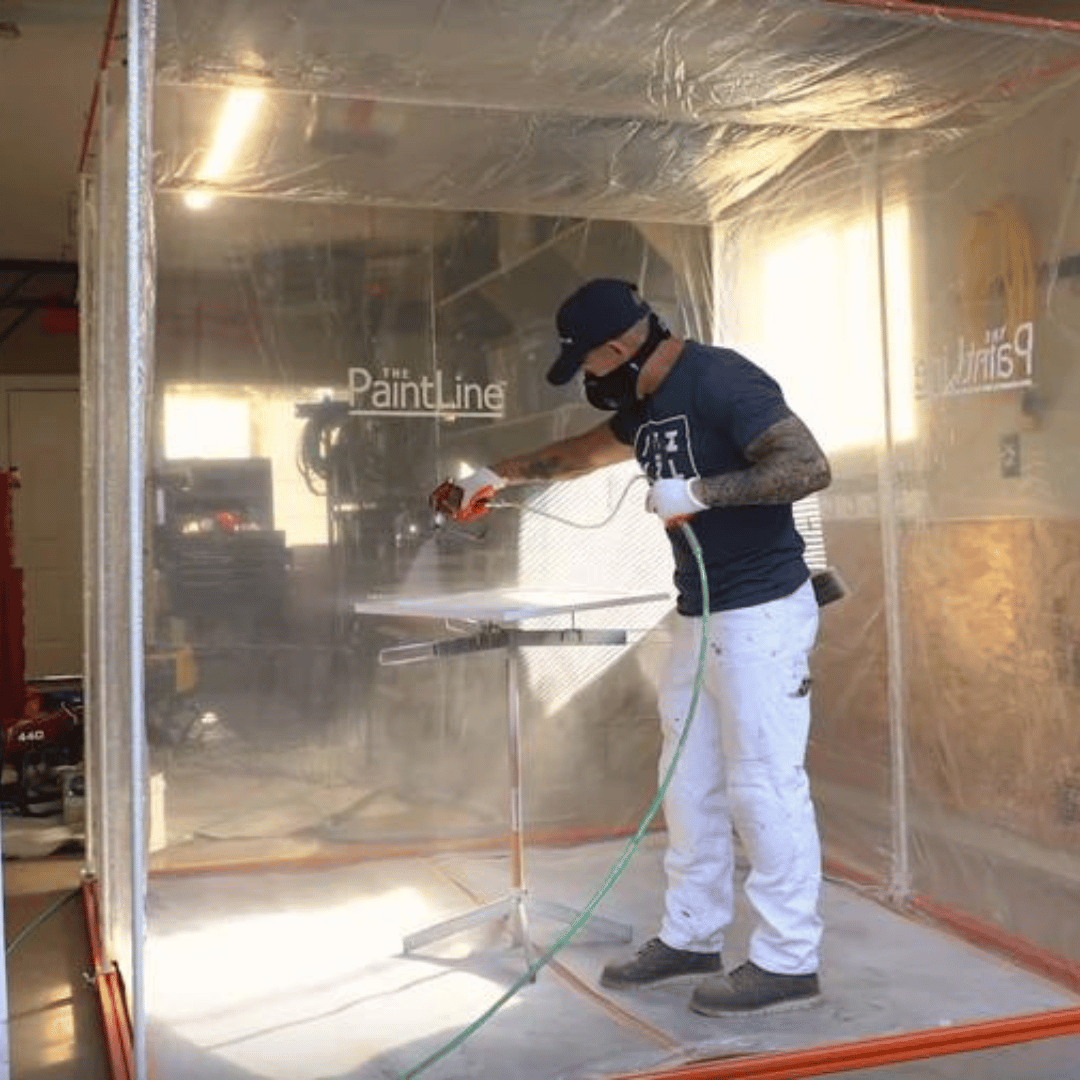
column 874, row 1053
column 956, row 13
column 109, row 988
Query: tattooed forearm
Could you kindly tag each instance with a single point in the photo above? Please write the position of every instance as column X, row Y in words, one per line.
column 567, row 458
column 787, row 464
column 547, row 464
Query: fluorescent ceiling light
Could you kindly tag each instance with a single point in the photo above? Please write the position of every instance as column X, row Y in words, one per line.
column 233, row 127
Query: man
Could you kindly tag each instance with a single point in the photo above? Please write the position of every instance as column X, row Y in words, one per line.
column 723, row 451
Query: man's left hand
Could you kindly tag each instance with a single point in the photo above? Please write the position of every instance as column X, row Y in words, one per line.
column 673, row 499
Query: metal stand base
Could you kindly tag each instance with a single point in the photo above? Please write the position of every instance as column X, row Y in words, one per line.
column 517, row 905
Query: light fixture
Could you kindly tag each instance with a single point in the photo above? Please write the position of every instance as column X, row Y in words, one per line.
column 233, row 127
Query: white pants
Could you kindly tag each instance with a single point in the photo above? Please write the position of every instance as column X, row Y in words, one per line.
column 742, row 768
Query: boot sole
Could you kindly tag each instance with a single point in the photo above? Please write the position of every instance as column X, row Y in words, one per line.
column 787, row 1005
column 688, row 979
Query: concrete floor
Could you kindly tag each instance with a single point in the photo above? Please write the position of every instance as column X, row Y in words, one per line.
column 291, row 976
column 301, row 976
column 54, row 1027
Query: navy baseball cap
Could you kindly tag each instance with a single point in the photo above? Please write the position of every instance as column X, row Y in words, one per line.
column 600, row 310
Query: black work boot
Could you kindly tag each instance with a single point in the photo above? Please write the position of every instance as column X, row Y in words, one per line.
column 750, row 989
column 657, row 963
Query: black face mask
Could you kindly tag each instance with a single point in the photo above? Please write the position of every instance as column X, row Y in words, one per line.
column 617, row 388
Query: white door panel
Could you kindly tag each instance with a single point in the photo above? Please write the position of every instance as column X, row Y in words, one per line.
column 40, row 435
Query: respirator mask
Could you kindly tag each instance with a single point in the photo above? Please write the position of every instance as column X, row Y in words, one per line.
column 618, row 388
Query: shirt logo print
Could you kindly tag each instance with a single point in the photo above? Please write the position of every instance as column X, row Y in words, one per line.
column 663, row 448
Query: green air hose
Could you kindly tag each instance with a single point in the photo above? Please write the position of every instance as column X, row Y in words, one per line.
column 622, row 862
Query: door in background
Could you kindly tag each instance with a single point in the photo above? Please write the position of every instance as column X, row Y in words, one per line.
column 40, row 433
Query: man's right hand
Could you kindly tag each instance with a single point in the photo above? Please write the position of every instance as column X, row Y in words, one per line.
column 468, row 498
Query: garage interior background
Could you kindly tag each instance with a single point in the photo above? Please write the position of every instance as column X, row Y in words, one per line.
column 354, row 205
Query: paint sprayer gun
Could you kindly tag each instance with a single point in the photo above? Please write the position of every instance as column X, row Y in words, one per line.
column 468, row 498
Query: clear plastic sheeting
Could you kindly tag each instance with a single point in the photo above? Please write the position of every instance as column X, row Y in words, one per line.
column 961, row 486
column 105, row 389
column 323, row 149
column 363, row 721
column 762, row 64
column 595, row 109
column 298, row 381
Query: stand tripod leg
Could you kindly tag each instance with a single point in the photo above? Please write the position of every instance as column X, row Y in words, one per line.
column 597, row 926
column 517, row 835
column 498, row 909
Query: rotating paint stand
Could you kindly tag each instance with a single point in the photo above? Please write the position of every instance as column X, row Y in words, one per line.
column 495, row 614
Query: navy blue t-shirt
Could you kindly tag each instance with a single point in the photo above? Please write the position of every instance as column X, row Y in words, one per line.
column 710, row 407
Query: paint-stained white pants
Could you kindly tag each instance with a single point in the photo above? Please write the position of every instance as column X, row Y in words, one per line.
column 742, row 769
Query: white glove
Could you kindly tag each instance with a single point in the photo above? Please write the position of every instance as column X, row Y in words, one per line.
column 673, row 499
column 467, row 498
column 477, row 490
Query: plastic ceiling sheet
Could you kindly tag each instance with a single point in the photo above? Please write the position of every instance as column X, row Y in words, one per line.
column 757, row 62
column 471, row 158
column 639, row 111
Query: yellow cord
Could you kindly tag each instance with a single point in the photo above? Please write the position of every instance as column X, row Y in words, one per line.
column 998, row 261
